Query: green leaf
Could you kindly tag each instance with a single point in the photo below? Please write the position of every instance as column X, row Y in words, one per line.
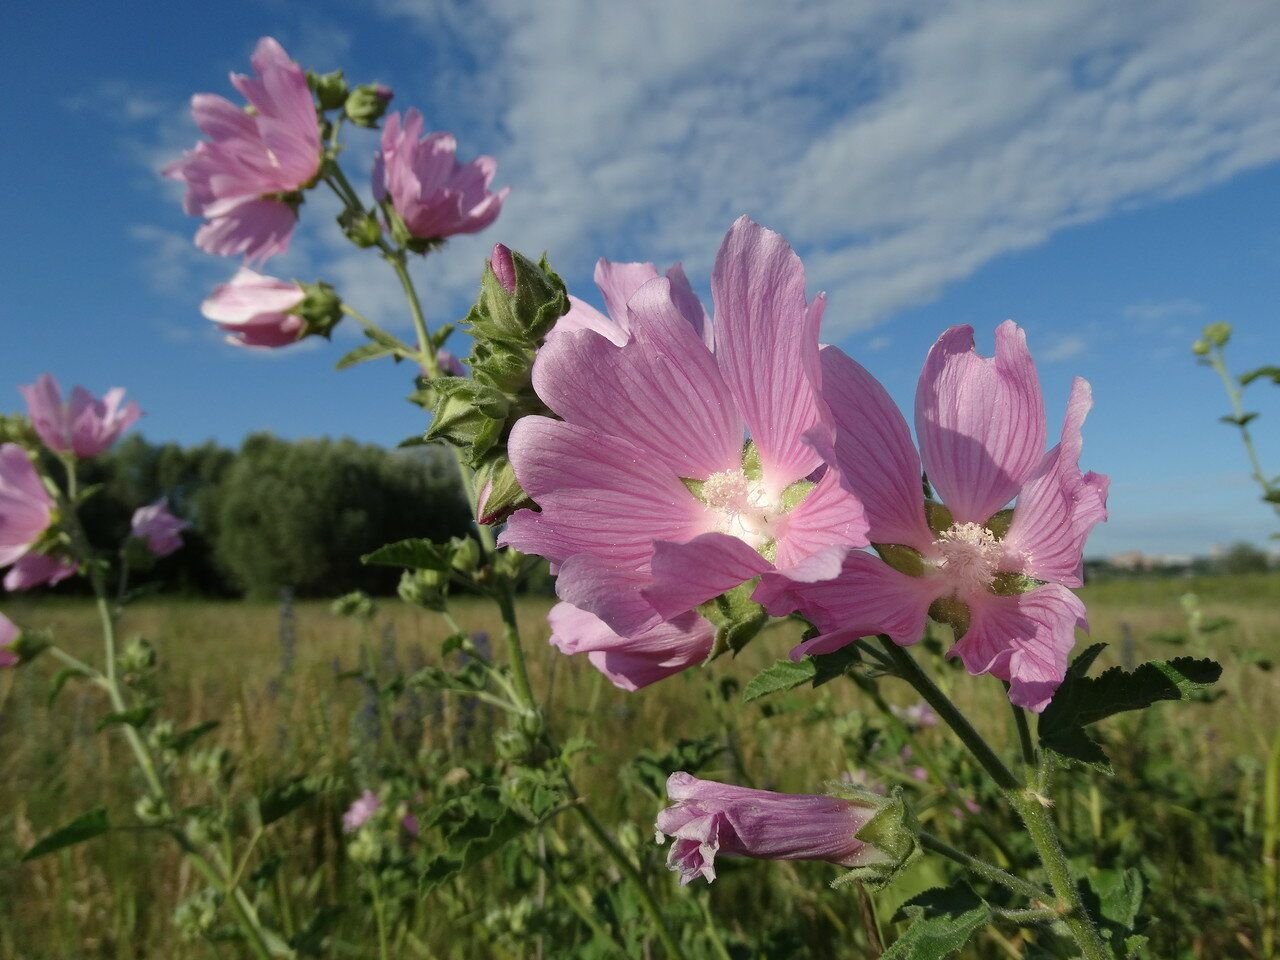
column 183, row 741
column 282, row 799
column 62, row 677
column 1272, row 496
column 788, row 674
column 1240, row 421
column 475, row 826
column 942, row 921
column 416, row 554
column 136, row 717
column 362, row 354
column 1083, row 700
column 82, row 828
column 1269, row 372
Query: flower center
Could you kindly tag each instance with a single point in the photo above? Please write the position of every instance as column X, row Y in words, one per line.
column 970, row 556
column 744, row 509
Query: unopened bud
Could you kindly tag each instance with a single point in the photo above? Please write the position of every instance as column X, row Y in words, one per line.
column 330, row 89
column 424, row 588
column 367, row 103
column 1217, row 333
column 499, row 492
column 360, row 227
column 503, row 266
column 321, row 308
column 466, row 555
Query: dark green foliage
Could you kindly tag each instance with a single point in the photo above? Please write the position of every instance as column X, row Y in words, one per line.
column 942, row 921
column 787, row 674
column 82, row 828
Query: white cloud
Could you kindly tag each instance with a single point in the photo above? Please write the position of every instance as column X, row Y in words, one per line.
column 876, row 344
column 899, row 152
column 1150, row 311
column 1064, row 348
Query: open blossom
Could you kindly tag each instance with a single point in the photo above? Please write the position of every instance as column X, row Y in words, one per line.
column 26, row 509
column 254, row 310
column 241, row 178
column 159, row 528
column 8, row 635
column 709, row 819
column 364, row 807
column 33, row 570
column 1002, row 581
column 433, row 194
column 650, row 504
column 83, row 424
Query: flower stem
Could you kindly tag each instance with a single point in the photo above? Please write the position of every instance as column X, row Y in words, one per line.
column 1024, row 736
column 1217, row 360
column 981, row 868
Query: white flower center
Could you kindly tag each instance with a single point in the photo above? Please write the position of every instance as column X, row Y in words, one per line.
column 742, row 506
column 971, row 556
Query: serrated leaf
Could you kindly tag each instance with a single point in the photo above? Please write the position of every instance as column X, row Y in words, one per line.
column 130, row 718
column 779, row 677
column 183, row 741
column 942, row 921
column 1083, row 700
column 61, row 679
column 82, row 828
column 1271, row 373
column 475, row 826
column 362, row 354
column 386, row 340
column 416, row 554
column 283, row 799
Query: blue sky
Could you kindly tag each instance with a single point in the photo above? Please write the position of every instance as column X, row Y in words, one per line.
column 1104, row 174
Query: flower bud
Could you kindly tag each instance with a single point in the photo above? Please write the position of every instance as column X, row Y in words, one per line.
column 468, row 414
column 499, row 493
column 367, row 103
column 321, row 308
column 138, row 657
column 1217, row 333
column 1201, row 348
column 361, row 227
column 503, row 267
column 424, row 588
column 466, row 554
column 890, row 830
column 330, row 89
column 357, row 605
column 521, row 304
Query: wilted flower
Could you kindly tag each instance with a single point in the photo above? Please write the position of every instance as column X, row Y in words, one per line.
column 256, row 311
column 433, row 194
column 244, row 179
column 26, row 509
column 83, row 425
column 37, row 570
column 1001, row 581
column 649, row 504
column 710, row 818
column 8, row 636
column 632, row 663
column 160, row 529
column 364, row 807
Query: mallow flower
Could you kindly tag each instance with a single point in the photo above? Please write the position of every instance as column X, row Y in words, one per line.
column 709, row 819
column 26, row 509
column 256, row 310
column 82, row 425
column 1001, row 578
column 8, row 637
column 159, row 529
column 33, row 570
column 434, row 195
column 361, row 809
column 649, row 502
column 246, row 178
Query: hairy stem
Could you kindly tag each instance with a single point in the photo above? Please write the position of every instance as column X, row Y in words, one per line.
column 988, row 871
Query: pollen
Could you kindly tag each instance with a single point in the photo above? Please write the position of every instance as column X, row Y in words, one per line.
column 971, row 556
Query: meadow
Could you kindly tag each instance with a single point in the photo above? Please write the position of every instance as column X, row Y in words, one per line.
column 1188, row 798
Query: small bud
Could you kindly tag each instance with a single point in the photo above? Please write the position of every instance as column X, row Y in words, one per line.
column 321, row 308
column 466, row 555
column 424, row 588
column 449, row 364
column 330, row 89
column 357, row 605
column 499, row 492
column 152, row 810
column 522, row 304
column 1217, row 333
column 137, row 658
column 367, row 103
column 468, row 414
column 361, row 228
column 503, row 267
column 1201, row 348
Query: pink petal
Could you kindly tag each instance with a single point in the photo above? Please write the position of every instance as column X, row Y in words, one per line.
column 619, row 282
column 255, row 230
column 869, row 597
column 37, row 570
column 980, row 421
column 873, row 448
column 247, row 296
column 830, row 516
column 49, row 417
column 767, row 347
column 689, row 305
column 632, row 663
column 690, row 573
column 611, row 591
column 8, row 634
column 1024, row 640
column 599, row 495
column 661, row 391
column 1058, row 507
column 25, row 506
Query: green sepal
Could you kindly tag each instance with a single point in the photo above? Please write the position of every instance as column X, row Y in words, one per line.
column 891, row 830
column 902, row 558
column 330, row 89
column 498, row 492
column 525, row 316
column 736, row 617
column 321, row 308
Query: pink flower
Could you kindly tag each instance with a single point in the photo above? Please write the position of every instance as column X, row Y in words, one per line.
column 917, row 715
column 26, row 509
column 710, row 818
column 37, row 570
column 449, row 364
column 84, row 425
column 632, row 663
column 649, row 503
column 236, row 180
column 364, row 807
column 433, row 194
column 255, row 310
column 8, row 636
column 1001, row 582
column 161, row 530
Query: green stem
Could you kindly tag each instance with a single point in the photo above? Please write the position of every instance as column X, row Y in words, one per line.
column 1024, row 736
column 910, row 671
column 515, row 651
column 981, row 868
column 1218, row 362
column 380, row 918
column 1071, row 908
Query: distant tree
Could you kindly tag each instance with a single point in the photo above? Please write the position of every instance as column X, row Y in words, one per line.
column 1244, row 558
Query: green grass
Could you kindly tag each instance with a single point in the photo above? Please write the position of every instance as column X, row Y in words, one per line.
column 115, row 897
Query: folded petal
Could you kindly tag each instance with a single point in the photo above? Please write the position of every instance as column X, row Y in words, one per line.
column 766, row 341
column 1059, row 506
column 254, row 230
column 661, row 391
column 873, row 449
column 37, row 570
column 830, row 516
column 583, row 316
column 868, row 597
column 687, row 574
column 632, row 662
column 980, row 421
column 1024, row 640
column 619, row 281
column 609, row 591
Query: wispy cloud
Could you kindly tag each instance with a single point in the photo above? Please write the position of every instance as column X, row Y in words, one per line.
column 1158, row 310
column 1064, row 348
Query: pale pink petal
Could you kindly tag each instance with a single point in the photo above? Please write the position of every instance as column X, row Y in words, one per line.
column 598, row 494
column 830, row 516
column 690, row 306
column 26, row 509
column 611, row 591
column 767, row 347
column 980, row 421
column 37, row 570
column 255, row 230
column 661, row 391
column 1059, row 506
column 869, row 597
column 693, row 572
column 1025, row 640
column 50, row 418
column 618, row 282
column 583, row 316
column 632, row 663
column 876, row 457
column 8, row 634
column 248, row 295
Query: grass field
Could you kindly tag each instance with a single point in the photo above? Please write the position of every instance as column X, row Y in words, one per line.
column 275, row 689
